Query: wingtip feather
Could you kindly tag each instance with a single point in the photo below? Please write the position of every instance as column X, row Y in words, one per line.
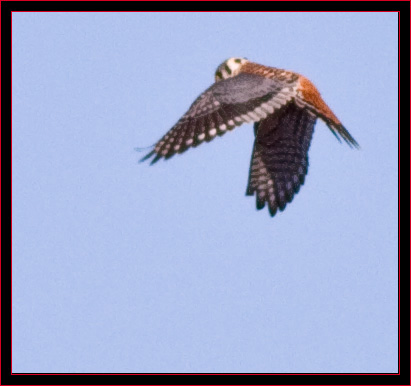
column 147, row 156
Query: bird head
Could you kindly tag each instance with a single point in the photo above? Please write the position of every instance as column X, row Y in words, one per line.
column 229, row 68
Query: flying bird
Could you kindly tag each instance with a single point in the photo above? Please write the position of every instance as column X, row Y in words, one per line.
column 284, row 107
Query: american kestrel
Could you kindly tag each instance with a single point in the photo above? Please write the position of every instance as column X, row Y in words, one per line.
column 284, row 107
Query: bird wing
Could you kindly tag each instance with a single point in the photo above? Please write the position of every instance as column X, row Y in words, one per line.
column 223, row 106
column 279, row 162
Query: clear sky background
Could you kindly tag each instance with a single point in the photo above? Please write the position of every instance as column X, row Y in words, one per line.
column 125, row 267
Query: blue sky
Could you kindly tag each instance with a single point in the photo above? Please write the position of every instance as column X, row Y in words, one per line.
column 125, row 267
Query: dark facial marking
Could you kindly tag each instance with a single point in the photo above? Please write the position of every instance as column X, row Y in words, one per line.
column 219, row 74
column 227, row 69
column 237, row 60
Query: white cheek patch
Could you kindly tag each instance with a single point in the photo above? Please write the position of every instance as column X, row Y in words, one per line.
column 233, row 65
column 230, row 68
column 224, row 74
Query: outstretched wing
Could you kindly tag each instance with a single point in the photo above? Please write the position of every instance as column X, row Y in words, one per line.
column 226, row 104
column 279, row 162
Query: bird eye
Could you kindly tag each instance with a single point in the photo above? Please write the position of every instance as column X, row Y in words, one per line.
column 237, row 60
